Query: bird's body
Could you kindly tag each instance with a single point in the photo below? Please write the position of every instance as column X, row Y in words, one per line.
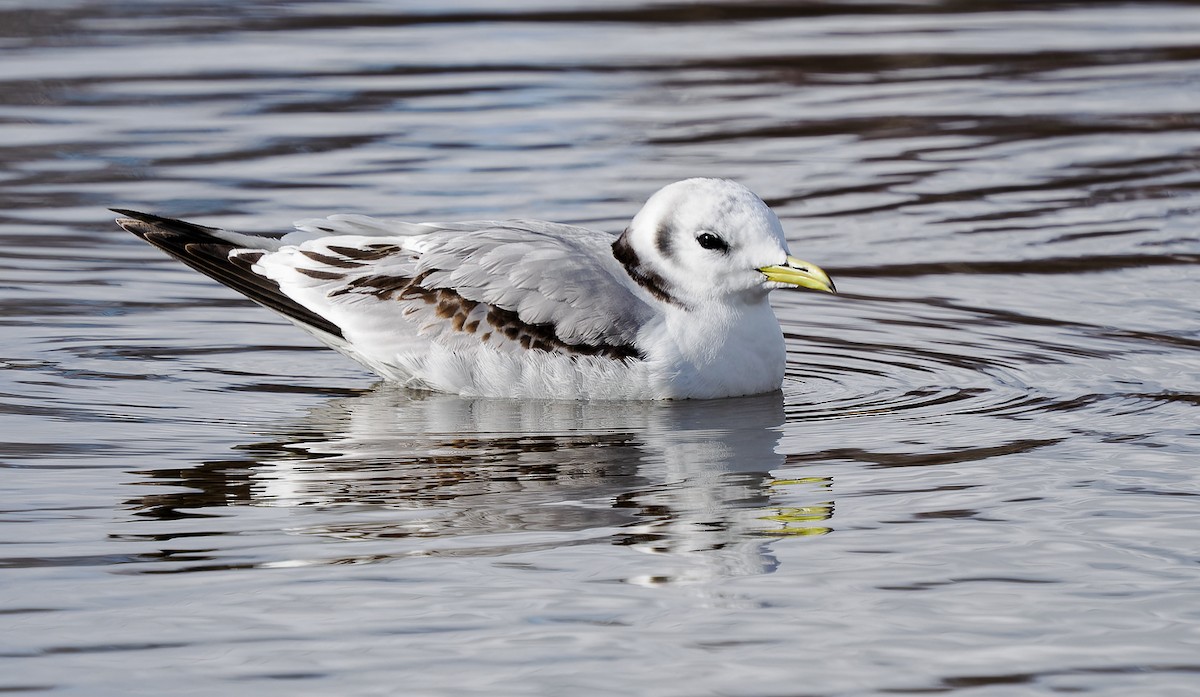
column 675, row 307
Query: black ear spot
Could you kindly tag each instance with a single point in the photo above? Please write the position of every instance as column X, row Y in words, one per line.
column 707, row 240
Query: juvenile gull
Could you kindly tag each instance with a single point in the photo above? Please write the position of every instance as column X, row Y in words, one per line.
column 673, row 308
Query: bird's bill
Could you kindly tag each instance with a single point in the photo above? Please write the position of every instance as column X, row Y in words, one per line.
column 796, row 272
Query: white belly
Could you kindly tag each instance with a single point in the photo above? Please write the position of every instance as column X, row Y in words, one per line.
column 687, row 357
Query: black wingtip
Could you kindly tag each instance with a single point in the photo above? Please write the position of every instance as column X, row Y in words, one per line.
column 206, row 252
column 157, row 221
column 140, row 224
column 148, row 218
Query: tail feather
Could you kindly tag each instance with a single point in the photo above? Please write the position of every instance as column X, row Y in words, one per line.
column 201, row 248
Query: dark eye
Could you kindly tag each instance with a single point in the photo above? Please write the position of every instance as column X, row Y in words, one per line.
column 708, row 240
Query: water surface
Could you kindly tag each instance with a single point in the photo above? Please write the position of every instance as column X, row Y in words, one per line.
column 980, row 477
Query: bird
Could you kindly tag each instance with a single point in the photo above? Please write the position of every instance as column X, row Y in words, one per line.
column 674, row 307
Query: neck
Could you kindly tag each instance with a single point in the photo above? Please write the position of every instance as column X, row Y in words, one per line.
column 722, row 351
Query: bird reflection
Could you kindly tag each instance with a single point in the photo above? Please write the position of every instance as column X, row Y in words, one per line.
column 688, row 480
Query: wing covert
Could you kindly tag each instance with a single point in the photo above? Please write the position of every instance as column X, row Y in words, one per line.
column 516, row 284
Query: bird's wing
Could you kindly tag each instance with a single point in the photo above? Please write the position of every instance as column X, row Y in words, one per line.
column 213, row 252
column 513, row 285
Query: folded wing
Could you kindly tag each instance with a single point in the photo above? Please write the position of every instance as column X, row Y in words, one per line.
column 385, row 286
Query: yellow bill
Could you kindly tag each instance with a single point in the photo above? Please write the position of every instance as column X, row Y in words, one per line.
column 796, row 272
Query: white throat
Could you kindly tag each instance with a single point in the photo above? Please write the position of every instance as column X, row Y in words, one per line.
column 719, row 350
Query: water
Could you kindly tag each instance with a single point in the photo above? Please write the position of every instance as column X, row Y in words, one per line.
column 980, row 478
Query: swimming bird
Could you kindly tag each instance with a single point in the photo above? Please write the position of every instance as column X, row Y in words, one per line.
column 675, row 307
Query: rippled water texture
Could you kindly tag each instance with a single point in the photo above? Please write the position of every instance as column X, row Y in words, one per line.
column 980, row 478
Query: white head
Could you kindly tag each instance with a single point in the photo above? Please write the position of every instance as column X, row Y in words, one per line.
column 701, row 240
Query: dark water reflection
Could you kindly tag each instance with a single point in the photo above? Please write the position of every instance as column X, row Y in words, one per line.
column 980, row 477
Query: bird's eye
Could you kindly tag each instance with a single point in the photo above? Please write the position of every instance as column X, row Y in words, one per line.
column 708, row 240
